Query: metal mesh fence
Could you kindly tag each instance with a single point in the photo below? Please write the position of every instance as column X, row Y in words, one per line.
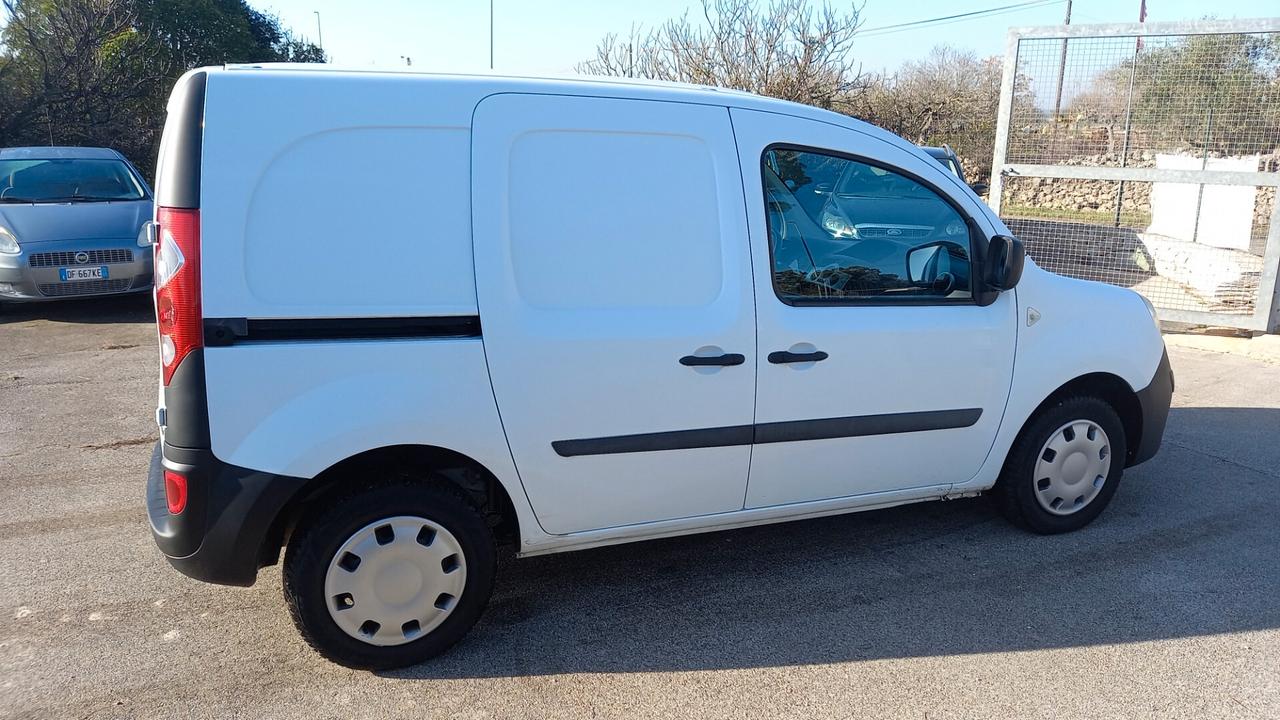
column 1121, row 100
column 1149, row 161
column 1209, row 264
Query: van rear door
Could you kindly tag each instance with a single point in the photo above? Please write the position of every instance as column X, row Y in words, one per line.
column 614, row 285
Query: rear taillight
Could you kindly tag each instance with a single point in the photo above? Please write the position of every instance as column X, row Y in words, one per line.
column 177, row 263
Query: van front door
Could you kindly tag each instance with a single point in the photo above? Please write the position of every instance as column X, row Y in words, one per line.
column 614, row 283
column 879, row 371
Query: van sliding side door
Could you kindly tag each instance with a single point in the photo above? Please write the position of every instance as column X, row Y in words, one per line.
column 614, row 283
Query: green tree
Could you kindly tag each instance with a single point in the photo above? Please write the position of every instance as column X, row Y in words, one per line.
column 1219, row 93
column 98, row 72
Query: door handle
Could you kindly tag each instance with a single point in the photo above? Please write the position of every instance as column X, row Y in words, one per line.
column 784, row 356
column 719, row 360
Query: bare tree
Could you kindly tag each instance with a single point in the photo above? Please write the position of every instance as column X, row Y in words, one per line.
column 787, row 49
column 950, row 97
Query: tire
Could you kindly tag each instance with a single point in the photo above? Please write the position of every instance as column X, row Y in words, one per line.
column 430, row 524
column 1048, row 504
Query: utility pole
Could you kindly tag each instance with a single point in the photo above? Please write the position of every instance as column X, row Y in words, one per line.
column 319, row 35
column 1062, row 69
column 490, row 34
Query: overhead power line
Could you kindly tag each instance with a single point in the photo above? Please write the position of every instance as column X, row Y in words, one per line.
column 959, row 17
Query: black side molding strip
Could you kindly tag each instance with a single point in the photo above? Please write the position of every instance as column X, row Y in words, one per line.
column 860, row 425
column 790, row 431
column 649, row 442
column 229, row 331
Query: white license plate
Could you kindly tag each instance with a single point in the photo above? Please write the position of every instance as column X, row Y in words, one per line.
column 83, row 273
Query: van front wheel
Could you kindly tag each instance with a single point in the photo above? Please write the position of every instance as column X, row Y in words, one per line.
column 1064, row 467
column 390, row 577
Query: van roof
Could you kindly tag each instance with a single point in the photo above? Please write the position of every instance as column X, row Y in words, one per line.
column 592, row 80
column 588, row 85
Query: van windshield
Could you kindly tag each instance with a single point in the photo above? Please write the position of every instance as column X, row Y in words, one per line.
column 67, row 180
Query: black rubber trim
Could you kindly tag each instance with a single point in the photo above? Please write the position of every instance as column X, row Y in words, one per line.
column 1154, row 400
column 860, row 425
column 651, row 442
column 222, row 535
column 229, row 331
column 178, row 180
column 789, row 431
column 186, row 404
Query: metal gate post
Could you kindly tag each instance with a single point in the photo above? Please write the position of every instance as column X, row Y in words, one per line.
column 1009, row 79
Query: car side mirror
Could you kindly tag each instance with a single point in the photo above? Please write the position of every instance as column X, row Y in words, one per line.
column 923, row 263
column 933, row 266
column 1002, row 268
column 980, row 188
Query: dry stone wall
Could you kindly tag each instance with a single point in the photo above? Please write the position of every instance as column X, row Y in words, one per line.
column 1095, row 195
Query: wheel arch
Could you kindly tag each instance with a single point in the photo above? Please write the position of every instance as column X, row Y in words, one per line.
column 398, row 463
column 1108, row 387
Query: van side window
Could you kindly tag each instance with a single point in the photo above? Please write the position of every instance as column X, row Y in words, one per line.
column 843, row 230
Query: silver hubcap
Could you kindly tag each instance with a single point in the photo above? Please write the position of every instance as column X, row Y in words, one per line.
column 1072, row 467
column 395, row 580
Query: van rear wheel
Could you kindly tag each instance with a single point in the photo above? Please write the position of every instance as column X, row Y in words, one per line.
column 1065, row 466
column 389, row 577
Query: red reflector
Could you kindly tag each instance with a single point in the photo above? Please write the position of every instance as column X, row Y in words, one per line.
column 175, row 491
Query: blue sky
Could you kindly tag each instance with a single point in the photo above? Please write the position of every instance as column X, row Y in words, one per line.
column 549, row 36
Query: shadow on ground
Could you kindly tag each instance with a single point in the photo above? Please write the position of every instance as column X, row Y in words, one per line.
column 136, row 307
column 1187, row 548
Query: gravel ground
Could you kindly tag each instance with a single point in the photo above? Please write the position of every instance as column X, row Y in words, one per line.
column 1168, row 606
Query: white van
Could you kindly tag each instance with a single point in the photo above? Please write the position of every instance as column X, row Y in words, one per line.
column 404, row 316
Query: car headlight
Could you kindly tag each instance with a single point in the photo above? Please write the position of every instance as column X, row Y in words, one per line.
column 8, row 243
column 147, row 234
column 837, row 223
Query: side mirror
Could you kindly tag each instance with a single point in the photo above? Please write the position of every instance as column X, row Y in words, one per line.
column 980, row 187
column 932, row 266
column 1003, row 266
column 923, row 263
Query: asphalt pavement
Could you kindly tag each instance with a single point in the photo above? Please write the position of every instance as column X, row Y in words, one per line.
column 1168, row 606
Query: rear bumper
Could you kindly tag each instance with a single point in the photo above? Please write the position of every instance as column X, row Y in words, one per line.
column 1154, row 400
column 228, row 529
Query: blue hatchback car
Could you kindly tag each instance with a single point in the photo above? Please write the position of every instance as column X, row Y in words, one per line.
column 72, row 224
